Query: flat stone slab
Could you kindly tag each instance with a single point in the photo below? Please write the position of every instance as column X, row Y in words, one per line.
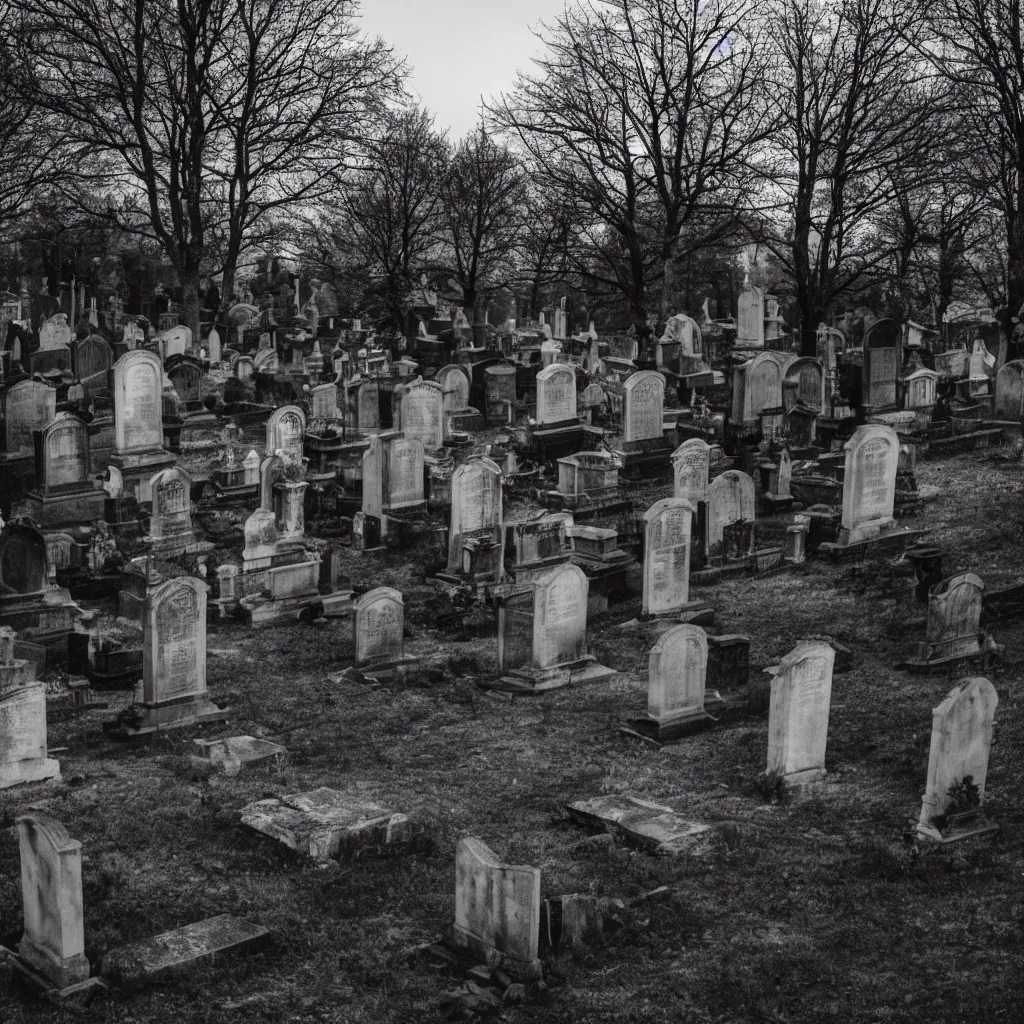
column 231, row 752
column 181, row 948
column 324, row 824
column 652, row 826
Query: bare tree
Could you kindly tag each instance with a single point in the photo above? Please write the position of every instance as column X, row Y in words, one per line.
column 978, row 48
column 650, row 112
column 299, row 93
column 482, row 201
column 855, row 112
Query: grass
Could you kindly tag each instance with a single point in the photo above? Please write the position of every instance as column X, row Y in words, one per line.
column 806, row 911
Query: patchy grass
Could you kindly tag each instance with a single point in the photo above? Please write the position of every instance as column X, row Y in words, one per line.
column 807, row 911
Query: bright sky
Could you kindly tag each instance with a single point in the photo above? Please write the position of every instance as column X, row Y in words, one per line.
column 459, row 50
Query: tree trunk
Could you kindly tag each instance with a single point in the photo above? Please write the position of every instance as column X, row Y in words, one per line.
column 190, row 304
column 1014, row 267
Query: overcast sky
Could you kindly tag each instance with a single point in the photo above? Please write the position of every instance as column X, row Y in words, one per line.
column 459, row 50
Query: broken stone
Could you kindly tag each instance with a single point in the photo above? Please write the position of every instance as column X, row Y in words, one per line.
column 231, row 752
column 652, row 826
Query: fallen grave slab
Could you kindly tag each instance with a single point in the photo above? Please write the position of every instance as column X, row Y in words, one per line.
column 325, row 824
column 652, row 826
column 182, row 948
column 231, row 752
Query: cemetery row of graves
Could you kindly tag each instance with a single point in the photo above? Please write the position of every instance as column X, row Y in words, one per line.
column 345, row 615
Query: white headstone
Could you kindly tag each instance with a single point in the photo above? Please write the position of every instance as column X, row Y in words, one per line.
column 676, row 671
column 666, row 583
column 556, row 394
column 690, row 464
column 869, row 483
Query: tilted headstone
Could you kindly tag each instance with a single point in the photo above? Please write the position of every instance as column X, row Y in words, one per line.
column 883, row 356
column 731, row 515
column 666, row 582
column 476, row 512
column 421, row 412
column 691, row 463
column 869, row 482
column 54, row 333
column 91, row 356
column 379, row 624
column 138, row 406
column 53, row 942
column 286, row 429
column 961, row 741
column 497, row 910
column 954, row 617
column 1009, row 401
column 28, row 406
column 643, row 407
column 556, row 394
column 176, row 341
column 798, row 713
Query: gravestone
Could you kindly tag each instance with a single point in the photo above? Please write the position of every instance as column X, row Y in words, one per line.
column 176, row 341
column 731, row 515
column 958, row 761
column 666, row 582
column 454, row 388
column 91, row 357
column 954, row 615
column 869, row 483
column 676, row 673
column 643, row 407
column 497, row 911
column 173, row 661
column 379, row 625
column 392, row 476
column 22, row 721
column 499, row 394
column 798, row 714
column 476, row 520
column 244, row 367
column 368, row 406
column 809, row 377
column 542, row 634
column 750, row 319
column 691, row 463
column 286, row 429
column 260, row 532
column 421, row 412
column 63, row 494
column 138, row 421
column 883, row 356
column 540, row 544
column 53, row 943
column 28, row 406
column 214, row 344
column 132, row 334
column 170, row 524
column 323, row 402
column 54, row 333
column 556, row 394
column 921, row 389
column 780, row 476
column 1009, row 401
column 186, row 374
column 757, row 387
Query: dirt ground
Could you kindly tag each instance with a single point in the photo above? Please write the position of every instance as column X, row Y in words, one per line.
column 811, row 912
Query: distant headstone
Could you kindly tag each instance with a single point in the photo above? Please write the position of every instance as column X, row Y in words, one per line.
column 63, row 494
column 921, row 389
column 643, row 406
column 54, row 333
column 286, row 429
column 809, row 377
column 53, row 942
column 392, row 474
column 323, row 402
column 138, row 406
column 731, row 515
column 421, row 412
column 214, row 344
column 173, row 660
column 28, row 406
column 542, row 633
column 869, row 482
column 260, row 532
column 556, row 394
column 91, row 356
column 750, row 318
column 1009, row 400
column 677, row 669
column 499, row 393
column 757, row 386
column 666, row 582
column 497, row 910
column 476, row 514
column 379, row 624
column 455, row 387
column 691, row 463
column 958, row 759
column 883, row 356
column 170, row 525
column 798, row 714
